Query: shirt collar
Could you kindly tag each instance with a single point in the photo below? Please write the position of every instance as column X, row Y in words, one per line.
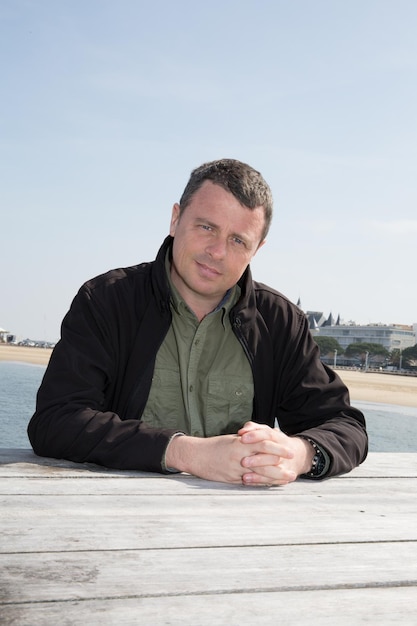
column 180, row 306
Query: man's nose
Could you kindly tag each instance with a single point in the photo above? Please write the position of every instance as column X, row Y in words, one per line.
column 217, row 248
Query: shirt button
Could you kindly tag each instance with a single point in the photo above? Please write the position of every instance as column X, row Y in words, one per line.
column 191, row 388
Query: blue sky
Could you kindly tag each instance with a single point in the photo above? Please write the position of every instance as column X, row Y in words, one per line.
column 107, row 106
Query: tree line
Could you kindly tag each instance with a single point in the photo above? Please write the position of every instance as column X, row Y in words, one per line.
column 368, row 352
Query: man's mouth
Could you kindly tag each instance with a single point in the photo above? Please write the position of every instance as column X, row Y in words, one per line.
column 207, row 270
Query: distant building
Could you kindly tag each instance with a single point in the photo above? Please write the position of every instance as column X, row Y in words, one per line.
column 391, row 336
column 317, row 320
column 3, row 335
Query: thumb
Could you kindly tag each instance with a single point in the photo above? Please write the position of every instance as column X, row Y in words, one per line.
column 248, row 427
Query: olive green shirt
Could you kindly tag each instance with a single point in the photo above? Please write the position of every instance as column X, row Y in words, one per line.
column 202, row 383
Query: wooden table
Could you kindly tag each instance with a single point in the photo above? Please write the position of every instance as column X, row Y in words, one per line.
column 85, row 545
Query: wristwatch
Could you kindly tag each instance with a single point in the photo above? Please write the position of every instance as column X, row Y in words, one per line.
column 320, row 463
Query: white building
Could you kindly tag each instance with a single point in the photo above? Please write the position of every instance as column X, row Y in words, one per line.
column 392, row 337
column 3, row 335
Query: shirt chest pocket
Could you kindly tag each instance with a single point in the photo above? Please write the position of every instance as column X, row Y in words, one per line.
column 228, row 405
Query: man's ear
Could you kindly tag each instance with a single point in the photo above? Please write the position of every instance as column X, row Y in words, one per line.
column 175, row 216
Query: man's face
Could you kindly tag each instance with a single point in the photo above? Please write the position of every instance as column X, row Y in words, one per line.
column 215, row 239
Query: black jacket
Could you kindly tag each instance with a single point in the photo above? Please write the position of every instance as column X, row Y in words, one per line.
column 95, row 388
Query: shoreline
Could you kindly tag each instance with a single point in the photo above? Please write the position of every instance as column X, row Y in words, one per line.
column 380, row 387
column 363, row 386
column 25, row 354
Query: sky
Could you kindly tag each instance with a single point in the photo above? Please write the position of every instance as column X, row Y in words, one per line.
column 106, row 107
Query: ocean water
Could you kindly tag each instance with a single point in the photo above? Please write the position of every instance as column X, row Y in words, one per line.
column 19, row 383
column 391, row 428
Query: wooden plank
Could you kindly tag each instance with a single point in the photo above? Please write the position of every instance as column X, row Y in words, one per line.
column 213, row 571
column 387, row 465
column 84, row 483
column 23, row 462
column 109, row 547
column 344, row 607
column 124, row 521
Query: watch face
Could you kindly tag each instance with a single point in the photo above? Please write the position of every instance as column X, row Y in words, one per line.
column 321, row 463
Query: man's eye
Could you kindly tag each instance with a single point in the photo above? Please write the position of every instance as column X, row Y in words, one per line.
column 205, row 227
column 239, row 241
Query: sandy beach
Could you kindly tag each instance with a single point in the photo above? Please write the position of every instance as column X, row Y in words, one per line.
column 380, row 387
column 366, row 386
column 23, row 354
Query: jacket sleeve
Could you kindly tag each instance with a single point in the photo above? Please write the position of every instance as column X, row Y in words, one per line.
column 75, row 415
column 313, row 401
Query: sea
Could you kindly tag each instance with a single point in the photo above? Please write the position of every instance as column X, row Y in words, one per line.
column 391, row 428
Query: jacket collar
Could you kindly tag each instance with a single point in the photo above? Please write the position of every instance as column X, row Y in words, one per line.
column 159, row 277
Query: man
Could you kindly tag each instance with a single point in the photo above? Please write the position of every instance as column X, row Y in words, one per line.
column 185, row 363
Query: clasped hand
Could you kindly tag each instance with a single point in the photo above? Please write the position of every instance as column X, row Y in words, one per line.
column 256, row 455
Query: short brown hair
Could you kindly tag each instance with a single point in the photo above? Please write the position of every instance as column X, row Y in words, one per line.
column 246, row 184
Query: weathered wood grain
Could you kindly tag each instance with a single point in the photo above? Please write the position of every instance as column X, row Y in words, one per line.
column 210, row 571
column 79, row 543
column 379, row 606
